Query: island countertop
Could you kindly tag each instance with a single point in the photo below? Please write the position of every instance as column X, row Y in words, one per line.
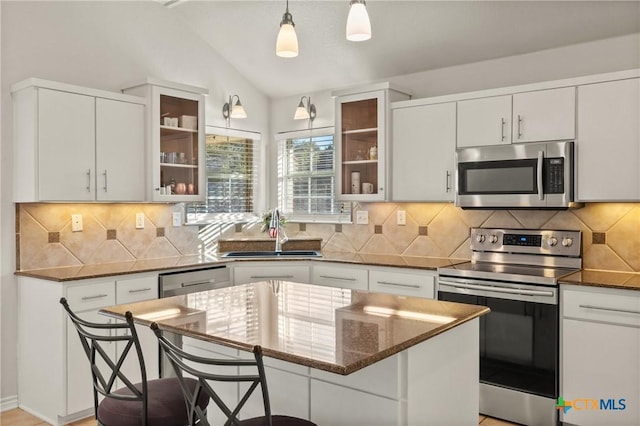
column 332, row 329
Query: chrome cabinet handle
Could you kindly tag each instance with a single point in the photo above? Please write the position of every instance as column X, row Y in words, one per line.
column 448, row 182
column 539, row 175
column 398, row 284
column 502, row 123
column 603, row 308
column 192, row 283
column 271, row 277
column 97, row 296
column 140, row 290
column 519, row 126
column 105, row 180
column 89, row 180
column 329, row 277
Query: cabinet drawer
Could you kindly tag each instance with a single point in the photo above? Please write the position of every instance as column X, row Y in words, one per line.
column 402, row 283
column 255, row 273
column 91, row 296
column 131, row 290
column 604, row 305
column 340, row 276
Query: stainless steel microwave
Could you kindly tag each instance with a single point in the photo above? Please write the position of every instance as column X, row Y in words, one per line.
column 525, row 175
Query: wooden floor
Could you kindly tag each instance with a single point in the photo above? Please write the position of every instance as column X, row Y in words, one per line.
column 17, row 417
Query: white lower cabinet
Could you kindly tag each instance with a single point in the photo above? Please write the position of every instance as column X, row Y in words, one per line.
column 330, row 274
column 251, row 272
column 600, row 356
column 53, row 371
column 403, row 282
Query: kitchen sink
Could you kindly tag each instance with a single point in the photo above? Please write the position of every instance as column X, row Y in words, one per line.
column 272, row 254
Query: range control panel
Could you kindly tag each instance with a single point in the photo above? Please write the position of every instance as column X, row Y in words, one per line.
column 527, row 241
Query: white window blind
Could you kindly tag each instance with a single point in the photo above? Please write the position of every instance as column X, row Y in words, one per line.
column 231, row 173
column 306, row 178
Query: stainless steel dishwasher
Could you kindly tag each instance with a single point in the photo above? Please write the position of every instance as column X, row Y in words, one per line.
column 185, row 282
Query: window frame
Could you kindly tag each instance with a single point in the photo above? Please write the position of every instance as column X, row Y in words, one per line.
column 282, row 138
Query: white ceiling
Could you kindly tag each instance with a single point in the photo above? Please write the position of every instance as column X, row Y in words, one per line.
column 408, row 36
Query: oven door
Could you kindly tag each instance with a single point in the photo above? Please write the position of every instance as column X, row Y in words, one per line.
column 518, row 338
column 531, row 175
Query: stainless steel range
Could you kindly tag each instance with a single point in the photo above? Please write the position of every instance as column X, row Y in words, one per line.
column 515, row 272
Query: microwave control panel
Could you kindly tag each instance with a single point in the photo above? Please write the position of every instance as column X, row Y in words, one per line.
column 553, row 175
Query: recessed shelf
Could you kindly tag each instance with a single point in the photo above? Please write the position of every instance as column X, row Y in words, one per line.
column 355, row 131
column 171, row 129
column 360, row 162
column 183, row 166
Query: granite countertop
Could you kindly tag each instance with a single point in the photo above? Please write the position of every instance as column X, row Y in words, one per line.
column 81, row 272
column 607, row 279
column 349, row 331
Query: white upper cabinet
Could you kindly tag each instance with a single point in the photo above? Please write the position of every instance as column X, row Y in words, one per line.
column 544, row 115
column 76, row 144
column 423, row 147
column 176, row 140
column 484, row 121
column 119, row 151
column 361, row 141
column 608, row 147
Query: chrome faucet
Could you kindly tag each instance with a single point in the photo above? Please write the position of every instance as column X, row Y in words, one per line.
column 275, row 229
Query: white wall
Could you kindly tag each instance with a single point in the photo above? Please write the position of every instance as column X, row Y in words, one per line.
column 103, row 45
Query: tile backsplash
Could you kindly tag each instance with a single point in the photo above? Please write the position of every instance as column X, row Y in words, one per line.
column 611, row 232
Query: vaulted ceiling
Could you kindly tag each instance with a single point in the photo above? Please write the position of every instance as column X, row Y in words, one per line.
column 408, row 36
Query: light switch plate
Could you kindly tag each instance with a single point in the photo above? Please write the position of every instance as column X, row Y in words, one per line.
column 76, row 222
column 177, row 219
column 362, row 217
column 401, row 217
column 139, row 220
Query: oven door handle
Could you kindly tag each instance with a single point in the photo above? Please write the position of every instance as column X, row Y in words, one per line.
column 498, row 289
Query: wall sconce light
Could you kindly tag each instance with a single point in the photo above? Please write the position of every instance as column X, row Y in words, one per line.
column 287, row 41
column 305, row 112
column 358, row 24
column 231, row 110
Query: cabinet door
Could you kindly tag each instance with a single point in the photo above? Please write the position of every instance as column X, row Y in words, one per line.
column 264, row 272
column 341, row 276
column 178, row 145
column 544, row 115
column 403, row 283
column 79, row 381
column 601, row 361
column 132, row 290
column 608, row 146
column 66, row 146
column 423, row 149
column 119, row 151
column 484, row 121
column 360, row 146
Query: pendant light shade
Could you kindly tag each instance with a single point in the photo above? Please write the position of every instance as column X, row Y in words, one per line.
column 287, row 42
column 358, row 24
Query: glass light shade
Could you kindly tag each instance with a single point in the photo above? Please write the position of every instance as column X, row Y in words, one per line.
column 238, row 111
column 287, row 42
column 358, row 24
column 301, row 112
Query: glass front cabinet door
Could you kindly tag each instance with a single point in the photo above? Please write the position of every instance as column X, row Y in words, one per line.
column 362, row 132
column 177, row 142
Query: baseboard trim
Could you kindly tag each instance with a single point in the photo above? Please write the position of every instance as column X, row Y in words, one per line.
column 8, row 403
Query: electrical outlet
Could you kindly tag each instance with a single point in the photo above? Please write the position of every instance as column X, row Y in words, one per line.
column 177, row 219
column 139, row 220
column 362, row 217
column 401, row 217
column 76, row 222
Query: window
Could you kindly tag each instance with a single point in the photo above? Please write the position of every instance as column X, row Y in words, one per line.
column 306, row 175
column 231, row 164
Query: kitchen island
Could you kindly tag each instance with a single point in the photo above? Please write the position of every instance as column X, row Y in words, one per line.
column 336, row 356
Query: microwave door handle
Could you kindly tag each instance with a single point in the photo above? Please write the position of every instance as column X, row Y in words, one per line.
column 539, row 175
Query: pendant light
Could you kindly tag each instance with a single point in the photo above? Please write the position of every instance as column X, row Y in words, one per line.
column 287, row 42
column 358, row 24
